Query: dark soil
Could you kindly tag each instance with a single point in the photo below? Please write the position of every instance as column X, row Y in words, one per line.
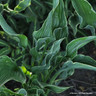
column 83, row 81
column 13, row 84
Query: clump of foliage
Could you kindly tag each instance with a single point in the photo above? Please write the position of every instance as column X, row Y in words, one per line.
column 40, row 53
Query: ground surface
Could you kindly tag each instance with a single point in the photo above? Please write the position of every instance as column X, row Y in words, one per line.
column 83, row 81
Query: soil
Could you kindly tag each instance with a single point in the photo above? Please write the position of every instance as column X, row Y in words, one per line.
column 83, row 81
column 12, row 85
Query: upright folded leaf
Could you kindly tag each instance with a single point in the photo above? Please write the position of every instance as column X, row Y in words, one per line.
column 74, row 22
column 10, row 71
column 23, row 40
column 53, row 51
column 59, row 17
column 85, row 10
column 46, row 29
column 55, row 19
column 55, row 47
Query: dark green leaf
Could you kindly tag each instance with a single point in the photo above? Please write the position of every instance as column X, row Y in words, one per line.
column 76, row 65
column 23, row 40
column 76, row 44
column 55, row 19
column 55, row 47
column 5, row 51
column 3, row 43
column 74, row 22
column 5, row 92
column 85, row 10
column 5, row 26
column 1, row 7
column 22, row 91
column 56, row 88
column 85, row 59
column 10, row 71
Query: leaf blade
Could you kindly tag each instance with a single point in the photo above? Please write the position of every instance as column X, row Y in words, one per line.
column 76, row 44
column 85, row 10
column 10, row 71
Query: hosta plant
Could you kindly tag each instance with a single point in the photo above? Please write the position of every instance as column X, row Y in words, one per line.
column 41, row 57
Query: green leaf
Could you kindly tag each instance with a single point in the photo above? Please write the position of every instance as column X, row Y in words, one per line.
column 23, row 4
column 7, row 92
column 86, row 12
column 76, row 44
column 55, row 19
column 85, row 59
column 5, row 51
column 59, row 18
column 55, row 47
column 44, row 66
column 1, row 7
column 56, row 88
column 22, row 91
column 68, row 69
column 76, row 65
column 47, row 61
column 59, row 33
column 39, row 69
column 3, row 43
column 6, row 27
column 91, row 28
column 34, row 53
column 42, row 42
column 46, row 29
column 74, row 22
column 64, row 75
column 10, row 71
column 23, row 40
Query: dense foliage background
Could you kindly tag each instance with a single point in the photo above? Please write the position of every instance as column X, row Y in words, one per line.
column 39, row 43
